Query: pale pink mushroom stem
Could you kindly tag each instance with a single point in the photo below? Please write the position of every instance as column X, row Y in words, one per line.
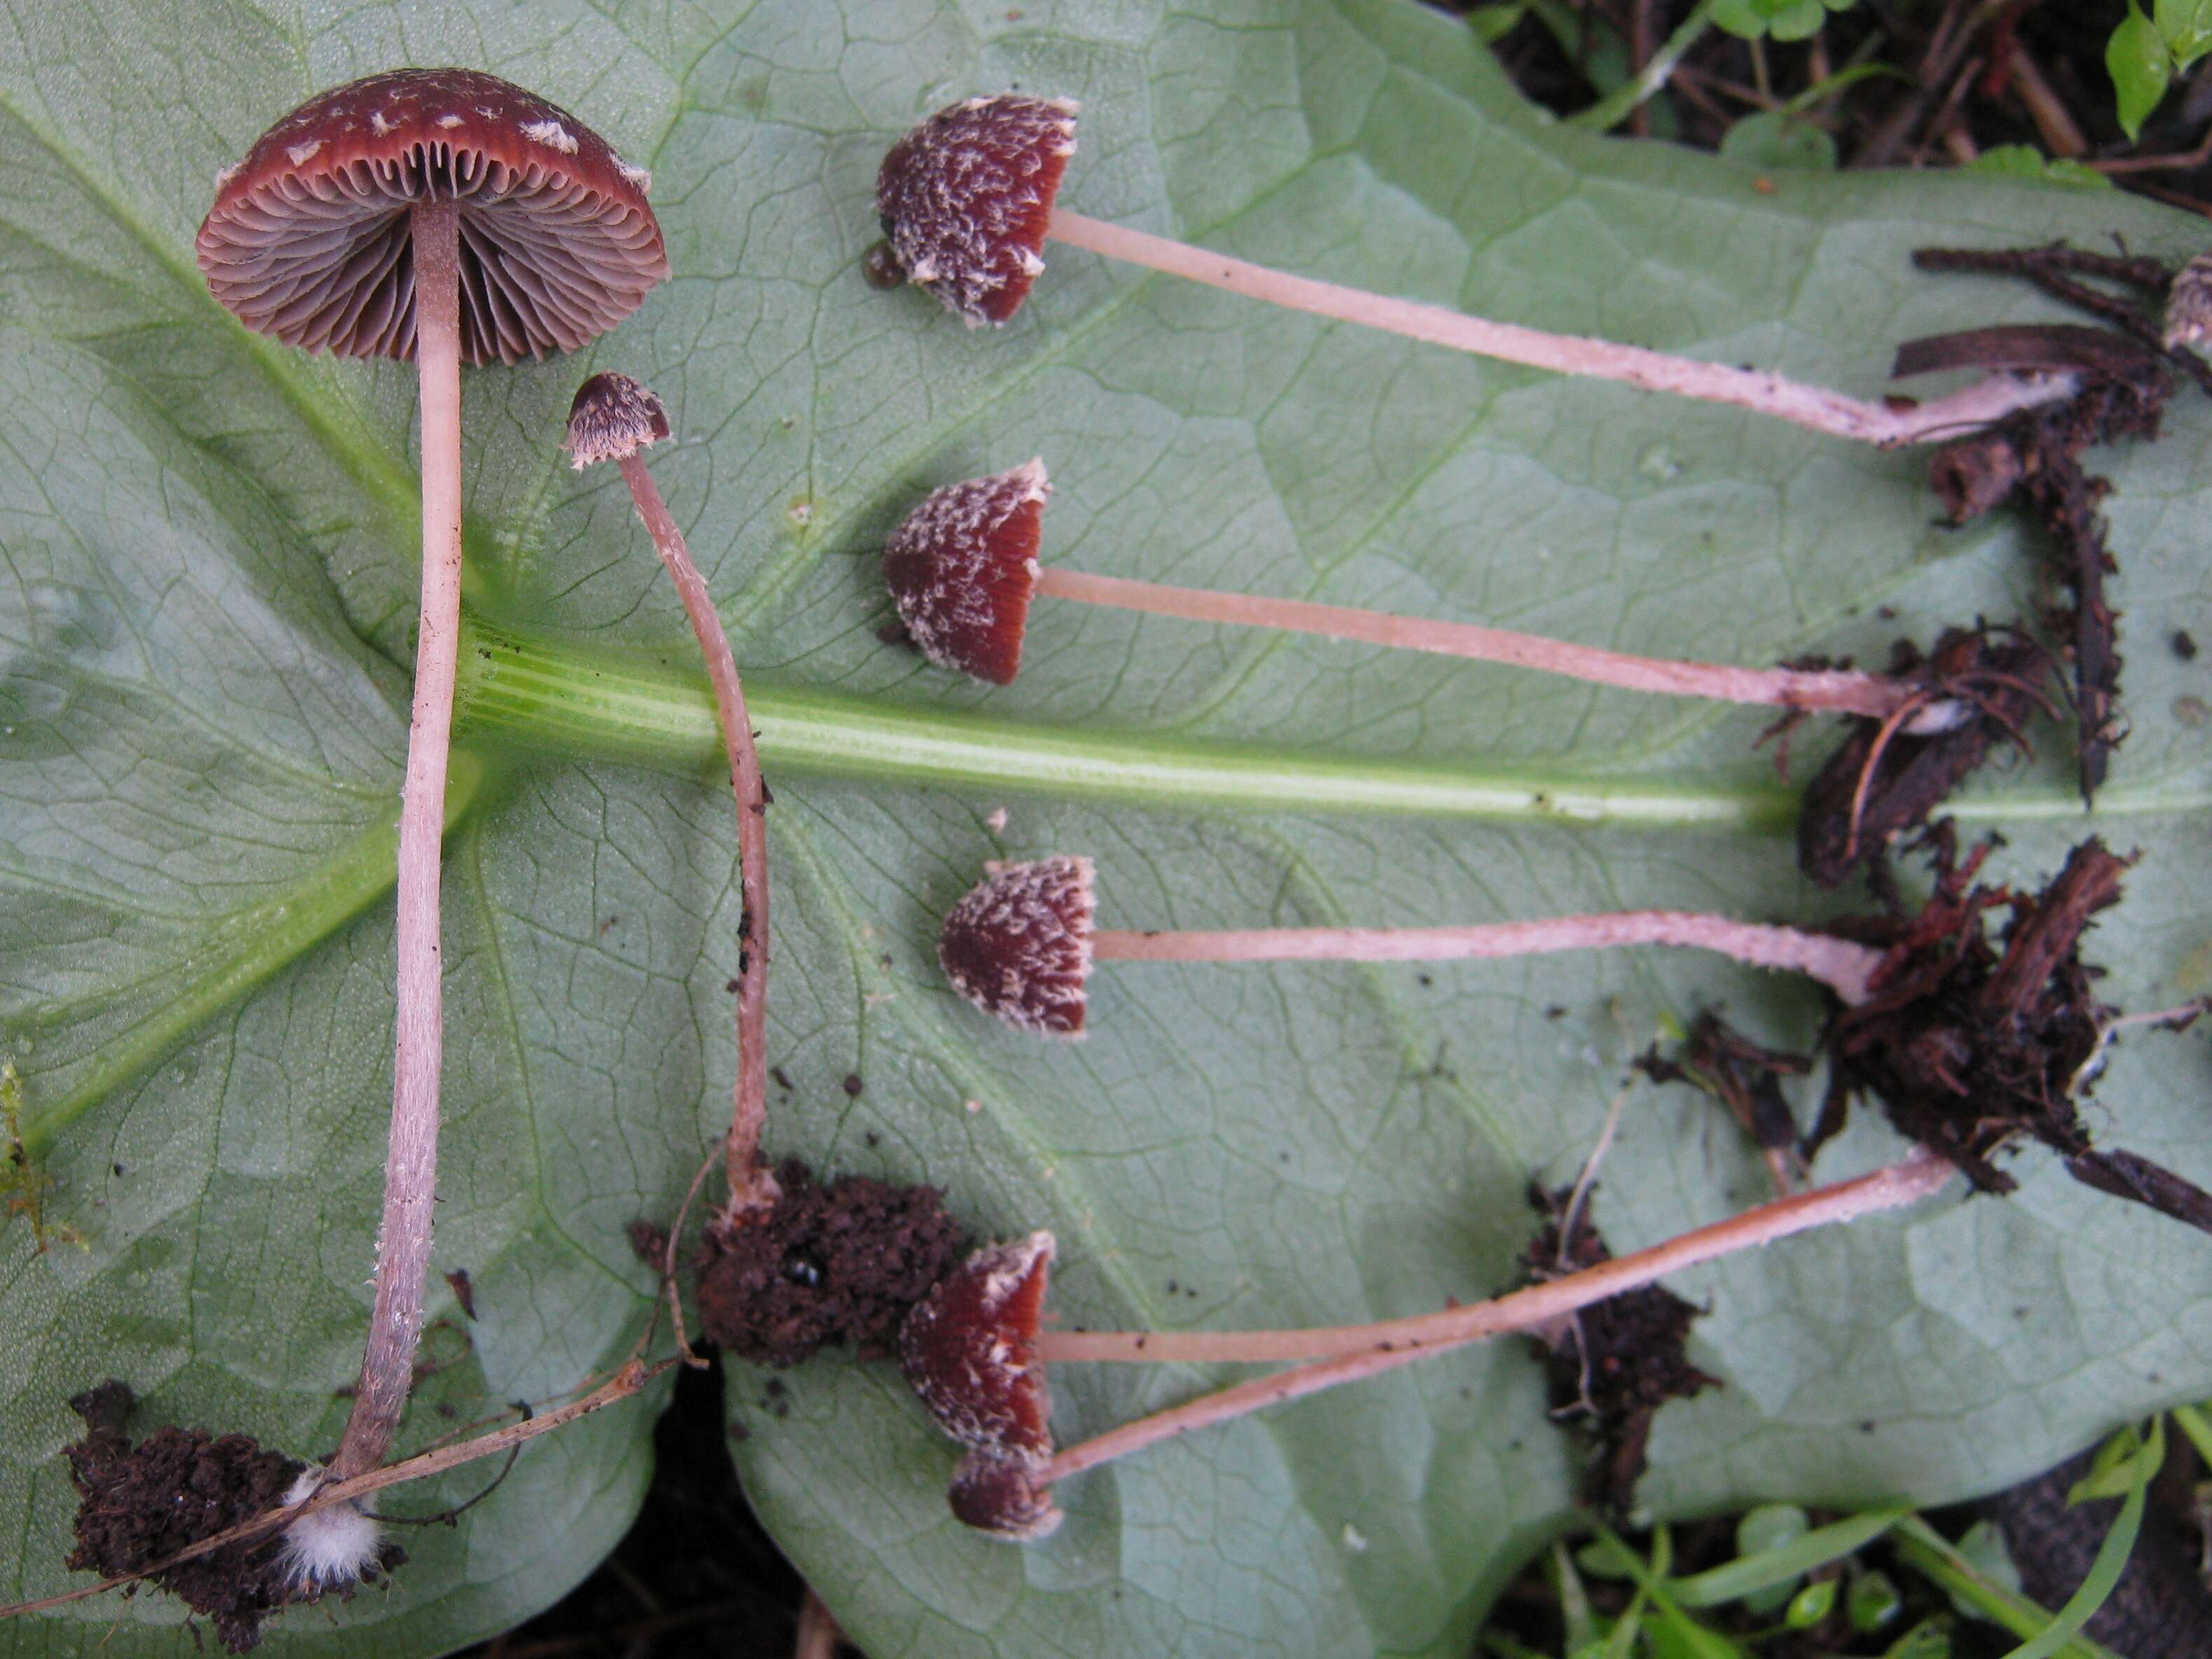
column 1365, row 1350
column 749, row 1111
column 1838, row 690
column 411, row 1170
column 1846, row 968
column 1814, row 407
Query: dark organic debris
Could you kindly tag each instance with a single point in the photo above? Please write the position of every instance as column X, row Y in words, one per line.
column 1612, row 1366
column 840, row 1263
column 1746, row 1079
column 1971, row 1043
column 1885, row 780
column 141, row 1504
column 2037, row 453
column 2125, row 1175
column 2056, row 268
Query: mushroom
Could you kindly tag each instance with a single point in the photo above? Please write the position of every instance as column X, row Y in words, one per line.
column 448, row 216
column 963, row 567
column 1019, row 944
column 967, row 201
column 975, row 1352
column 614, row 418
column 970, row 1351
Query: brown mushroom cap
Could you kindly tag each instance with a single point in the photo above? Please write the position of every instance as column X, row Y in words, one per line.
column 612, row 418
column 309, row 238
column 1006, row 1497
column 965, row 198
column 968, row 1348
column 962, row 567
column 1017, row 945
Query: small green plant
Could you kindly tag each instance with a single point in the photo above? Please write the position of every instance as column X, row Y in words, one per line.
column 1779, row 20
column 24, row 1181
column 2148, row 49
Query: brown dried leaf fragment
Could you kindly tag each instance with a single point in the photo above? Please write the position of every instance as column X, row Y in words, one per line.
column 840, row 1263
column 1746, row 1079
column 1612, row 1366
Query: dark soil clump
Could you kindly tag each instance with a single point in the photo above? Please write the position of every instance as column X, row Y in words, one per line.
column 840, row 1263
column 1612, row 1366
column 143, row 1503
column 1884, row 781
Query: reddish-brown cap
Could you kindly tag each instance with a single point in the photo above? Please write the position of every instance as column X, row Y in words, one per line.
column 966, row 197
column 970, row 1350
column 310, row 241
column 612, row 418
column 962, row 566
column 1019, row 943
column 1006, row 1497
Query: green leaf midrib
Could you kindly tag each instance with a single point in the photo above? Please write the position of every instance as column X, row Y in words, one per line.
column 546, row 696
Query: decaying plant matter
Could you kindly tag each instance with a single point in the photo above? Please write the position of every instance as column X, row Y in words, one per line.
column 1971, row 1043
column 824, row 1264
column 2155, row 322
column 1886, row 779
column 1611, row 1366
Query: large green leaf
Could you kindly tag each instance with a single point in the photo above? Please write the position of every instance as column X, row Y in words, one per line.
column 208, row 578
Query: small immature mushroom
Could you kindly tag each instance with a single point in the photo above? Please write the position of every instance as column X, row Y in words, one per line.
column 1019, row 944
column 614, row 418
column 447, row 216
column 967, row 201
column 963, row 567
column 999, row 1484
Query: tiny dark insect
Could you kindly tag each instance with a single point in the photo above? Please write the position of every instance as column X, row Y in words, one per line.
column 2185, row 647
column 852, row 1084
